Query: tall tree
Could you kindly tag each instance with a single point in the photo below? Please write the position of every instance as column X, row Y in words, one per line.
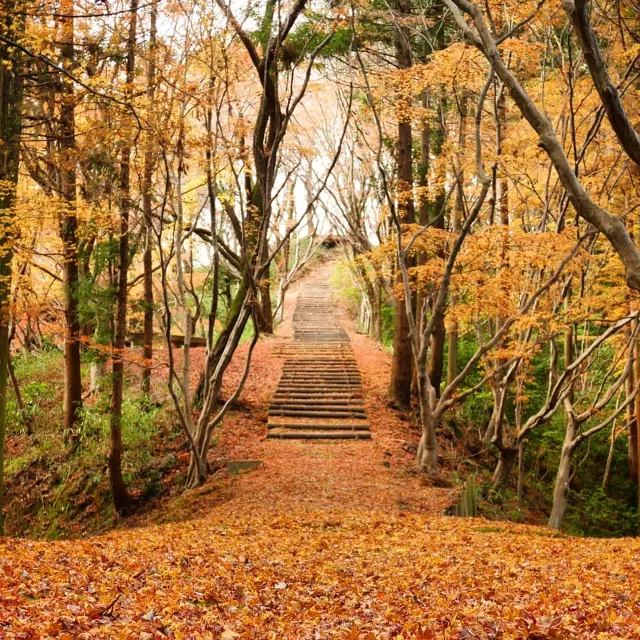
column 604, row 221
column 121, row 499
column 272, row 120
column 147, row 185
column 401, row 366
column 10, row 127
column 69, row 227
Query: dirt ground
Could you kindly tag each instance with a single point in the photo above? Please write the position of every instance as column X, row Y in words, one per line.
column 316, row 474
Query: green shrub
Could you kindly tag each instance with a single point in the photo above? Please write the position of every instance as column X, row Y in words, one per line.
column 594, row 513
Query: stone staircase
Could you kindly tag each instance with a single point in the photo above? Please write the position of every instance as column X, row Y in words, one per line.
column 319, row 395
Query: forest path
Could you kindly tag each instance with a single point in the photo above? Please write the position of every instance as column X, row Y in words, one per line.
column 326, row 539
column 330, row 473
column 320, row 394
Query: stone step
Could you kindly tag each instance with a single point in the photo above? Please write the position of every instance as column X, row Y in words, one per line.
column 325, row 388
column 319, row 435
column 315, row 406
column 327, row 384
column 330, row 380
column 319, row 393
column 327, row 365
column 294, row 413
column 321, row 382
column 312, row 376
column 319, row 427
column 320, row 374
column 312, row 402
column 294, row 370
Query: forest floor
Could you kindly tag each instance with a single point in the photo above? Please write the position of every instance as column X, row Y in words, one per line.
column 322, row 540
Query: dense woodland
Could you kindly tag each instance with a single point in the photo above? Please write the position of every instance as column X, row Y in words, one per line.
column 471, row 171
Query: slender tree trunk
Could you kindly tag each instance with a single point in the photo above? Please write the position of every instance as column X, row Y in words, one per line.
column 607, row 468
column 456, row 225
column 563, row 477
column 266, row 312
column 401, row 366
column 376, row 311
column 5, row 270
column 286, row 255
column 635, row 377
column 497, row 433
column 502, row 194
column 68, row 233
column 521, row 474
column 633, row 409
column 198, row 466
column 187, row 320
column 147, row 184
column 632, row 421
column 121, row 499
column 436, row 361
column 494, row 385
column 427, row 455
column 201, row 391
column 439, row 334
column 10, row 127
column 436, row 357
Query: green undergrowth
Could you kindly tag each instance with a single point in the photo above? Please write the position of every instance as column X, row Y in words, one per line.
column 593, row 510
column 52, row 491
column 343, row 284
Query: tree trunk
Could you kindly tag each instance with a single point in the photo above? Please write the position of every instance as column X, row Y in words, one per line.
column 635, row 376
column 452, row 354
column 221, row 341
column 503, row 469
column 427, row 456
column 401, row 366
column 456, row 226
column 68, row 234
column 423, row 219
column 5, row 270
column 563, row 477
column 198, row 467
column 607, row 468
column 266, row 312
column 285, row 258
column 501, row 188
column 436, row 357
column 497, row 434
column 121, row 499
column 10, row 127
column 632, row 422
column 498, row 406
column 201, row 390
column 184, row 310
column 376, row 311
column 97, row 374
column 147, row 183
column 521, row 475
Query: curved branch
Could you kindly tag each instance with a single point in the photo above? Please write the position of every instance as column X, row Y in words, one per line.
column 627, row 136
column 608, row 224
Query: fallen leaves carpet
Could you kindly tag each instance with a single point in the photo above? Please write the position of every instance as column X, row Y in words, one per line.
column 324, row 540
column 315, row 574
